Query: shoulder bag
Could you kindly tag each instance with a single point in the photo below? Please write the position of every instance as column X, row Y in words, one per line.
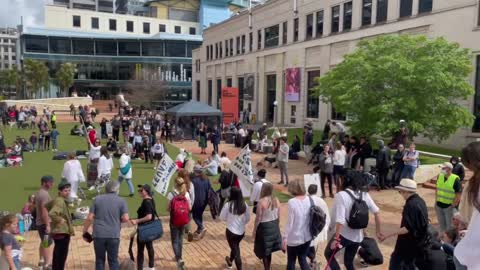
column 151, row 230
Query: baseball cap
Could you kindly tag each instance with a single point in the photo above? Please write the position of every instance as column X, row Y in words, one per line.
column 447, row 165
column 63, row 183
column 47, row 178
column 146, row 187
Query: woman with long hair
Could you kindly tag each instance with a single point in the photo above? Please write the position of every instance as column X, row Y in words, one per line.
column 185, row 175
column 467, row 251
column 105, row 167
column 266, row 232
column 235, row 212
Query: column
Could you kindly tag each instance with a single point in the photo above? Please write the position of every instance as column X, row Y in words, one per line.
column 374, row 11
column 415, row 6
column 356, row 14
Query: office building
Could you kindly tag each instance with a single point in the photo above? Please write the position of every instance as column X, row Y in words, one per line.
column 8, row 51
column 254, row 50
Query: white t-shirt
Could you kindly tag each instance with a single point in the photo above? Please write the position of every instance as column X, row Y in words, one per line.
column 256, row 190
column 297, row 230
column 235, row 223
column 105, row 166
column 242, row 132
column 339, row 157
column 124, row 160
column 468, row 250
column 341, row 212
column 94, row 152
column 158, row 149
column 323, row 236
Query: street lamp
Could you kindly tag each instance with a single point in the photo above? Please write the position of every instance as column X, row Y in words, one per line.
column 275, row 103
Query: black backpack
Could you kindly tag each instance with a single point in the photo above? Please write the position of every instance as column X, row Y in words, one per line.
column 358, row 218
column 317, row 219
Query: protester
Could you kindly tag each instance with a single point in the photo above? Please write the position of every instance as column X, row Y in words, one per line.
column 282, row 160
column 383, row 164
column 468, row 249
column 202, row 138
column 105, row 167
column 410, row 159
column 332, row 142
column 339, row 159
column 398, row 165
column 107, row 213
column 326, row 170
column 447, row 195
column 341, row 130
column 323, row 235
column 307, row 141
column 296, row 235
column 458, row 168
column 226, row 181
column 146, row 149
column 345, row 236
column 257, row 188
column 145, row 213
column 326, row 130
column 158, row 152
column 46, row 139
column 11, row 249
column 42, row 197
column 125, row 170
column 73, row 173
column 215, row 139
column 33, row 142
column 62, row 225
column 211, row 166
column 93, row 158
column 185, row 175
column 201, row 186
column 412, row 235
column 266, row 232
column 224, row 160
column 235, row 212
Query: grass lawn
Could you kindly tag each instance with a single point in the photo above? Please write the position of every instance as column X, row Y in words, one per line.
column 19, row 182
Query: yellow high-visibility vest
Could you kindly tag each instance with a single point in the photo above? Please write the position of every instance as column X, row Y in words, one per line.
column 445, row 190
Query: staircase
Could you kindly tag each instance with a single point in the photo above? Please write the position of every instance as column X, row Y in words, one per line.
column 102, row 106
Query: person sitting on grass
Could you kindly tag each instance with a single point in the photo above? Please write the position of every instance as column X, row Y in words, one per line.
column 211, row 167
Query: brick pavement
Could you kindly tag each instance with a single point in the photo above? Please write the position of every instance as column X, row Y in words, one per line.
column 211, row 251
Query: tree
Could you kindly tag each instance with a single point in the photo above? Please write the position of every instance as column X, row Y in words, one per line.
column 65, row 76
column 11, row 77
column 395, row 77
column 36, row 75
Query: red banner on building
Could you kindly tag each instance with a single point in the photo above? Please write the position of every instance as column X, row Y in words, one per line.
column 229, row 104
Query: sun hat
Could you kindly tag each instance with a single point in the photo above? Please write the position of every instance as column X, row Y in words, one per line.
column 407, row 185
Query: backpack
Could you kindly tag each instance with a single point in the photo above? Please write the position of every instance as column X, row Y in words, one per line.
column 214, row 203
column 179, row 214
column 358, row 218
column 370, row 252
column 317, row 218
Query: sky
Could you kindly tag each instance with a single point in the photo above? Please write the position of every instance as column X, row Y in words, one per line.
column 12, row 10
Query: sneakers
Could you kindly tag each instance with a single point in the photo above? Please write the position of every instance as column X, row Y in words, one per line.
column 180, row 264
column 202, row 234
column 91, row 188
column 229, row 263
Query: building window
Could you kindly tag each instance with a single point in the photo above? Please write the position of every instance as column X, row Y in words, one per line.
column 178, row 29
column 238, row 45
column 367, row 12
column 231, row 47
column 216, row 50
column 197, row 65
column 406, row 8
column 76, row 21
column 285, row 33
column 250, row 42
column 337, row 116
column 112, row 24
column 60, row 45
column 192, row 31
column 146, row 28
column 229, row 82
column 309, row 27
column 95, row 23
column 219, row 94
column 105, row 47
column 425, row 6
column 335, row 19
column 162, row 28
column 347, row 16
column 198, row 90
column 295, row 30
column 271, row 36
column 382, row 10
column 313, row 99
column 476, row 101
column 244, row 43
column 259, row 40
column 293, row 113
column 208, row 53
column 211, row 51
column 210, row 92
column 320, row 23
column 129, row 26
column 226, row 49
column 220, row 47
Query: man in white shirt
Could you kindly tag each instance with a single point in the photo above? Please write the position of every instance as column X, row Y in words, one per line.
column 257, row 189
column 211, row 167
column 282, row 160
column 72, row 171
column 346, row 237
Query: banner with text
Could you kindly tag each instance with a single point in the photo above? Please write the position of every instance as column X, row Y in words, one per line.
column 242, row 167
column 164, row 172
column 229, row 104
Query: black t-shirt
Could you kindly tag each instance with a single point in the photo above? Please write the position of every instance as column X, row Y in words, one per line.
column 147, row 207
column 457, row 187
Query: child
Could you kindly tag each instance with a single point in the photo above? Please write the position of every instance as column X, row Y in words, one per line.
column 41, row 140
column 54, row 135
column 9, row 245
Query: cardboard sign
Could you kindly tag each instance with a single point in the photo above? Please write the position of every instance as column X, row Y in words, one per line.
column 109, row 129
column 242, row 167
column 229, row 104
column 164, row 173
column 312, row 179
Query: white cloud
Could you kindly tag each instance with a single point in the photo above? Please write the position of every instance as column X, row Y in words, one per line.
column 12, row 10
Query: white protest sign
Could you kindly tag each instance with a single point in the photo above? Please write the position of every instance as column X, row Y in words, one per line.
column 164, row 172
column 242, row 167
column 109, row 129
column 312, row 179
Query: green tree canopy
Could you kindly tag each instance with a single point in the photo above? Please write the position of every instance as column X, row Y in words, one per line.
column 11, row 77
column 36, row 75
column 65, row 76
column 395, row 77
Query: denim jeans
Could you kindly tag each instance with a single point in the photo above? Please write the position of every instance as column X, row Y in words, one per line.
column 129, row 183
column 299, row 252
column 398, row 262
column 110, row 247
column 444, row 216
column 176, row 234
column 54, row 143
column 351, row 249
column 408, row 171
column 197, row 214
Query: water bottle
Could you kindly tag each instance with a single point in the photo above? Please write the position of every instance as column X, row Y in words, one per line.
column 45, row 242
column 21, row 224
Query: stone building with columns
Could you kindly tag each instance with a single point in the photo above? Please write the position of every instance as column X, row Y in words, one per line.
column 255, row 49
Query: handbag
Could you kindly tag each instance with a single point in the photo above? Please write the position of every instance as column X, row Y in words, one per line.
column 150, row 231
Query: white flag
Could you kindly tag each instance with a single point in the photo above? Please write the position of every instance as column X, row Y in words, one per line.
column 164, row 172
column 242, row 167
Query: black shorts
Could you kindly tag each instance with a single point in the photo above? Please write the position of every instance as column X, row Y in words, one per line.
column 42, row 233
column 157, row 156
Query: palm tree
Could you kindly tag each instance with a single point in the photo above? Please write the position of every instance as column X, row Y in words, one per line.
column 36, row 76
column 65, row 76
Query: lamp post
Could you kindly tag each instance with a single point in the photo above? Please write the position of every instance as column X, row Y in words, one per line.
column 275, row 103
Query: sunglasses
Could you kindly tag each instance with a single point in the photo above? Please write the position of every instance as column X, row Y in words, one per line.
column 140, row 190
